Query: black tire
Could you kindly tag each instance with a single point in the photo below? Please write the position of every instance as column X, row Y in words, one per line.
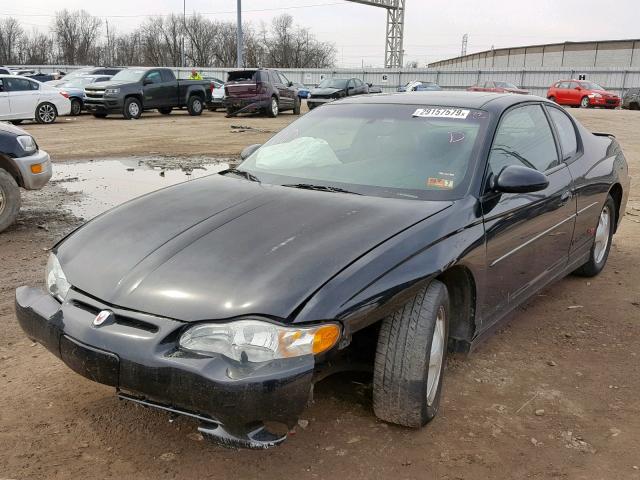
column 16, row 122
column 274, row 108
column 46, row 113
column 401, row 371
column 100, row 114
column 195, row 105
column 76, row 107
column 597, row 257
column 165, row 110
column 132, row 108
column 584, row 102
column 296, row 106
column 9, row 200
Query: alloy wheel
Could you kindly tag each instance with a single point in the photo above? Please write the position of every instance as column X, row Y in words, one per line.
column 134, row 110
column 2, row 201
column 274, row 106
column 436, row 357
column 602, row 235
column 47, row 113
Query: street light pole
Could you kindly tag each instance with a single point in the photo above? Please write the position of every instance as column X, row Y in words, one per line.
column 239, row 35
column 184, row 27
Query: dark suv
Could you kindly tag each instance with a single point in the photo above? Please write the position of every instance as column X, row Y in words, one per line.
column 260, row 90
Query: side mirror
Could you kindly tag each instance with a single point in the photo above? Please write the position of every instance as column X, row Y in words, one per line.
column 519, row 179
column 248, row 151
column 290, row 84
column 147, row 81
column 578, row 88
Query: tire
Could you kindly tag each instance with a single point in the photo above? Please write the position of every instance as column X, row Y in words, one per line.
column 165, row 110
column 100, row 114
column 584, row 102
column 231, row 111
column 274, row 108
column 76, row 107
column 600, row 252
column 46, row 113
column 9, row 200
column 405, row 392
column 132, row 108
column 296, row 106
column 553, row 99
column 195, row 105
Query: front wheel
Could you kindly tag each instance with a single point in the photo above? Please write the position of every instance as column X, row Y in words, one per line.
column 9, row 200
column 194, row 105
column 601, row 241
column 132, row 108
column 46, row 113
column 410, row 358
column 584, row 103
column 273, row 109
column 76, row 107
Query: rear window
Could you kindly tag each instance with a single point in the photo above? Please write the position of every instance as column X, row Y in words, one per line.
column 244, row 75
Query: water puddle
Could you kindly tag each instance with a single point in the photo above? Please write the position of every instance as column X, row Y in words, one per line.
column 103, row 184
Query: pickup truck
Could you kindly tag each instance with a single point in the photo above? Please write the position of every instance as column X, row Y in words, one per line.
column 22, row 164
column 133, row 90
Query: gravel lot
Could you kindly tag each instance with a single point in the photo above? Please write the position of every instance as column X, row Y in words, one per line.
column 552, row 395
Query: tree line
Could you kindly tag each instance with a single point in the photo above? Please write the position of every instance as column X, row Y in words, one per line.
column 78, row 38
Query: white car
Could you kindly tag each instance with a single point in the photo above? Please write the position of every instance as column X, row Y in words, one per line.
column 22, row 98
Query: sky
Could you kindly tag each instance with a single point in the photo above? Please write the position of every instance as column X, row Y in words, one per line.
column 433, row 29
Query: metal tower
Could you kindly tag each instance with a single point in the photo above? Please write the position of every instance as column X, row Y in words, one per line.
column 465, row 40
column 393, row 53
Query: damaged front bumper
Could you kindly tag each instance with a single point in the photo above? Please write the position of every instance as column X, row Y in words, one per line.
column 138, row 354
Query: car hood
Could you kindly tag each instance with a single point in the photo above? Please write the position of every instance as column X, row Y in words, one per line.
column 604, row 93
column 517, row 90
column 107, row 84
column 220, row 247
column 326, row 91
column 7, row 128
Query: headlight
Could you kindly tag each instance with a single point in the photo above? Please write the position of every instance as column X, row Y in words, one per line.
column 112, row 91
column 259, row 341
column 27, row 143
column 57, row 283
column 595, row 95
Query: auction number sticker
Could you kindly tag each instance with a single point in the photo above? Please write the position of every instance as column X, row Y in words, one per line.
column 458, row 113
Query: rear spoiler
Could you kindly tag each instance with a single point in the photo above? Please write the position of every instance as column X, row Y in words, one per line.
column 602, row 134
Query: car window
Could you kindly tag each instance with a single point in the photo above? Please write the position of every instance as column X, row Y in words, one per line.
column 524, row 138
column 154, row 76
column 275, row 78
column 566, row 132
column 573, row 85
column 167, row 76
column 19, row 85
column 358, row 82
column 284, row 79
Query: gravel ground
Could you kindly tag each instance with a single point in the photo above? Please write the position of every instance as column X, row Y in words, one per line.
column 554, row 394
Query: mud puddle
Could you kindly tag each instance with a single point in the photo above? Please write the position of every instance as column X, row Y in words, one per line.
column 99, row 185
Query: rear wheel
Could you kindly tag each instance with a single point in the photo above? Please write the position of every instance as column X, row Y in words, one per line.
column 195, row 105
column 165, row 110
column 410, row 358
column 132, row 108
column 76, row 106
column 584, row 103
column 601, row 241
column 46, row 113
column 273, row 109
column 9, row 199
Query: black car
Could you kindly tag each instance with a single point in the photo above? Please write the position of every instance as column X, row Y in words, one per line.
column 409, row 223
column 332, row 89
column 420, row 86
column 631, row 99
column 260, row 90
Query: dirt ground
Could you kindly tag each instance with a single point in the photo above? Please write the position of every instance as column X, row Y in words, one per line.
column 553, row 395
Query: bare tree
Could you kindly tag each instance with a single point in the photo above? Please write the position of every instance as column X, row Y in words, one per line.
column 76, row 35
column 10, row 35
column 36, row 48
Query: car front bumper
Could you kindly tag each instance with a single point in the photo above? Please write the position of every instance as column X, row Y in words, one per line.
column 106, row 104
column 139, row 356
column 316, row 102
column 604, row 102
column 30, row 180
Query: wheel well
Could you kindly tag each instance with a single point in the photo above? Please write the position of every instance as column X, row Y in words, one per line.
column 462, row 304
column 616, row 194
column 133, row 95
column 196, row 94
column 8, row 166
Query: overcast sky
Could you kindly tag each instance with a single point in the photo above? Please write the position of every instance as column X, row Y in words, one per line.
column 433, row 29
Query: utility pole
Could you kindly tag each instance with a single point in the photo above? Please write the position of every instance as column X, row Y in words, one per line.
column 239, row 35
column 184, row 27
column 108, row 45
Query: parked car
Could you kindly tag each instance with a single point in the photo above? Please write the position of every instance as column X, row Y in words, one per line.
column 24, row 99
column 260, row 90
column 109, row 71
column 498, row 87
column 75, row 90
column 331, row 89
column 22, row 165
column 217, row 93
column 580, row 93
column 134, row 90
column 405, row 222
column 4, row 71
column 303, row 91
column 631, row 99
column 420, row 86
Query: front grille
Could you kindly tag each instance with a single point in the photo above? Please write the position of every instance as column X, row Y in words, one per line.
column 119, row 319
column 95, row 94
column 324, row 97
column 611, row 101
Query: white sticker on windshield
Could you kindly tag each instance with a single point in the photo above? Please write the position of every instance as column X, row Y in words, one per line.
column 441, row 113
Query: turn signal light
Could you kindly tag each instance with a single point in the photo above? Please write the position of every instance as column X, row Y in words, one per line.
column 325, row 338
column 37, row 168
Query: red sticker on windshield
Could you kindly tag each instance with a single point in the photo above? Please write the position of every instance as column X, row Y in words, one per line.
column 439, row 183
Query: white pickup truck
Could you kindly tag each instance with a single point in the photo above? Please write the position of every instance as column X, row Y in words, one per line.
column 22, row 165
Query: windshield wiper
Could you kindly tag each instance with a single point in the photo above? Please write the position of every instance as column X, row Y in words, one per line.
column 320, row 188
column 241, row 173
column 515, row 155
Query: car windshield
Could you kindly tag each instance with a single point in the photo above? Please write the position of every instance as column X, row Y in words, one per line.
column 505, row 85
column 129, row 75
column 406, row 151
column 78, row 82
column 592, row 86
column 339, row 83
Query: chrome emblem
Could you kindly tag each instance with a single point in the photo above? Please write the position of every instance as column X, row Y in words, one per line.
column 102, row 317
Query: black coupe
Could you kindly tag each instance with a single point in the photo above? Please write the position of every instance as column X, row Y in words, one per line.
column 417, row 221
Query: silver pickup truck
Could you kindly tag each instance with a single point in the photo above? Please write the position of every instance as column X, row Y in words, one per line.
column 22, row 165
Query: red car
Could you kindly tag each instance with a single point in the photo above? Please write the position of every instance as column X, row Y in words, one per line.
column 583, row 94
column 498, row 87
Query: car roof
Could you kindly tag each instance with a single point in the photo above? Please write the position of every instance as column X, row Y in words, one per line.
column 462, row 99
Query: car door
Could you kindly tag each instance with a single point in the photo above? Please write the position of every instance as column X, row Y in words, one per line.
column 170, row 91
column 23, row 98
column 281, row 83
column 361, row 87
column 528, row 235
column 574, row 93
column 152, row 89
column 5, row 106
